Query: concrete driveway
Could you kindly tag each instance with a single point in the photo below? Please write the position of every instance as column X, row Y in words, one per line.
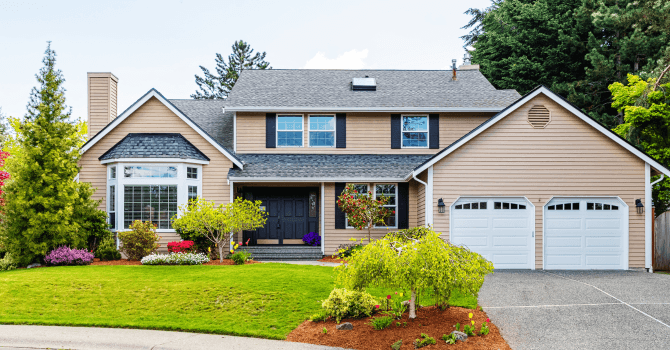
column 579, row 310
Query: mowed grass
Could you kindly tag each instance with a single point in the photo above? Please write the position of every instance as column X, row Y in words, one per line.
column 259, row 300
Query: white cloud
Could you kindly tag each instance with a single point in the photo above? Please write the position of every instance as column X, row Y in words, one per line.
column 349, row 60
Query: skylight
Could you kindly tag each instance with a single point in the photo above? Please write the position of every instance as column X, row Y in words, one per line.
column 364, row 84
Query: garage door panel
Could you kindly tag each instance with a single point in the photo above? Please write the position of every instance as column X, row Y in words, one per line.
column 565, row 224
column 510, row 223
column 605, row 261
column 564, row 242
column 510, row 241
column 563, row 261
column 601, row 224
column 471, row 241
column 471, row 223
column 510, row 259
column 602, row 242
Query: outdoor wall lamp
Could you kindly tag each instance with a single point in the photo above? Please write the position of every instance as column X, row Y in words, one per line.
column 440, row 206
column 639, row 206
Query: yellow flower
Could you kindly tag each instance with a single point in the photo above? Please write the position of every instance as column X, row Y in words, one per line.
column 400, row 294
column 209, row 249
column 473, row 323
column 236, row 246
column 470, row 315
column 232, row 252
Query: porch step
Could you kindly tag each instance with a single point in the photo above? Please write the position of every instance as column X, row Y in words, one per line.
column 284, row 253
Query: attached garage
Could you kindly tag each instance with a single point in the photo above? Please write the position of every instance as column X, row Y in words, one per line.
column 586, row 234
column 499, row 228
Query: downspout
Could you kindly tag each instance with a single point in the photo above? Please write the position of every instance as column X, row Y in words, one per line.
column 425, row 191
column 657, row 181
column 649, row 219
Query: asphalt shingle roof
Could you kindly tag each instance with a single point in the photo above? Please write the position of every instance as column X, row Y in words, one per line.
column 327, row 166
column 154, row 145
column 208, row 114
column 395, row 88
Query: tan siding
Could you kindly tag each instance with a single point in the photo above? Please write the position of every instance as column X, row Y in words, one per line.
column 421, row 199
column 567, row 158
column 367, row 133
column 102, row 104
column 154, row 117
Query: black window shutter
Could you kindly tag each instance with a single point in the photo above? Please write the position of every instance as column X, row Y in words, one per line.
column 434, row 129
column 341, row 130
column 340, row 218
column 271, row 130
column 395, row 131
column 403, row 205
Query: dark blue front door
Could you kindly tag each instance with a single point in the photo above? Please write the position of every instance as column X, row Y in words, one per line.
column 292, row 213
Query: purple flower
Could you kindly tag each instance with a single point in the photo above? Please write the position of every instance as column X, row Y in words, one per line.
column 312, row 239
column 65, row 256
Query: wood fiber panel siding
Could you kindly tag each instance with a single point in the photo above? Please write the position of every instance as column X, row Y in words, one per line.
column 154, row 117
column 567, row 158
column 421, row 199
column 367, row 133
column 98, row 104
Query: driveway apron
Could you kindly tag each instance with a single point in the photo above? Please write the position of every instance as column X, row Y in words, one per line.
column 579, row 310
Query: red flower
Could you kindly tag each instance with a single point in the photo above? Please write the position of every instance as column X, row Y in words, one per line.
column 389, row 296
column 377, row 306
column 487, row 320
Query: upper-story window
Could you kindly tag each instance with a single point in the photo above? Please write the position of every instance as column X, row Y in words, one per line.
column 321, row 131
column 414, row 131
column 149, row 171
column 289, row 131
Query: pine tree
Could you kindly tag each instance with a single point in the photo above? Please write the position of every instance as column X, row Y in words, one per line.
column 45, row 206
column 218, row 86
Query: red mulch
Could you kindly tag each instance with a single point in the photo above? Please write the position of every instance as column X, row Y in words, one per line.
column 131, row 262
column 333, row 259
column 430, row 320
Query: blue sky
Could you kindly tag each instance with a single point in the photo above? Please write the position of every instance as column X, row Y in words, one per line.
column 160, row 44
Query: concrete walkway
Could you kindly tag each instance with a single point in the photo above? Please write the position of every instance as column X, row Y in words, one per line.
column 579, row 309
column 84, row 338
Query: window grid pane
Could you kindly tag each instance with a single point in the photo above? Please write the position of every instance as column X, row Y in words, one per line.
column 112, row 172
column 415, row 139
column 191, row 173
column 389, row 191
column 150, row 203
column 192, row 193
column 149, row 171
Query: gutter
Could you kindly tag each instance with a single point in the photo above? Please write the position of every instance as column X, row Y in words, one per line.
column 298, row 109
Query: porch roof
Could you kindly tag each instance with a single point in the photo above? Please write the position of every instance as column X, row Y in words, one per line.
column 326, row 167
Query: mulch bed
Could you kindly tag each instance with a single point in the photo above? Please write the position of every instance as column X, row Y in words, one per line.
column 430, row 320
column 333, row 260
column 130, row 262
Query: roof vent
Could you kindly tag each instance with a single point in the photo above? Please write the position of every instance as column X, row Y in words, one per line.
column 364, row 84
column 539, row 116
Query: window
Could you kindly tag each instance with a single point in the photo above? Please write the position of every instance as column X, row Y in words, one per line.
column 506, row 206
column 475, row 205
column 149, row 171
column 289, row 131
column 388, row 190
column 564, row 206
column 321, row 131
column 601, row 206
column 112, row 172
column 192, row 193
column 112, row 207
column 191, row 173
column 155, row 203
column 415, row 131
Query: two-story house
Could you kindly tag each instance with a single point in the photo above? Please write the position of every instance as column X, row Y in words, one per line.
column 527, row 181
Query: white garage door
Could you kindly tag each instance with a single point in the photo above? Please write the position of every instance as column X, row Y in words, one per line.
column 500, row 229
column 585, row 234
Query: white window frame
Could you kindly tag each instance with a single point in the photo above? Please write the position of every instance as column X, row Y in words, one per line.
column 402, row 132
column 302, row 130
column 197, row 174
column 112, row 170
column 180, row 181
column 395, row 207
column 309, row 130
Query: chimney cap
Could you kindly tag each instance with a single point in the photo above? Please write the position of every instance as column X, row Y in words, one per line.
column 102, row 75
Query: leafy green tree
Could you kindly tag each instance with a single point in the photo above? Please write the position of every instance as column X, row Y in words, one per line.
column 219, row 85
column 417, row 261
column 219, row 223
column 3, row 129
column 363, row 211
column 45, row 206
column 646, row 112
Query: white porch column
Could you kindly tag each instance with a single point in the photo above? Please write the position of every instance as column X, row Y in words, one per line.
column 323, row 218
column 429, row 197
column 232, row 194
column 648, row 220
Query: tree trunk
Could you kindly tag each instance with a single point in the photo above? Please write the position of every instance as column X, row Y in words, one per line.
column 369, row 233
column 220, row 252
column 412, row 305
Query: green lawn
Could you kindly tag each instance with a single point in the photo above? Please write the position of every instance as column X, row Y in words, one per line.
column 259, row 300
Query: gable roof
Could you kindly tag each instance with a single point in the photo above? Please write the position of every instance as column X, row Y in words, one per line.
column 562, row 102
column 154, row 145
column 154, row 93
column 209, row 115
column 327, row 90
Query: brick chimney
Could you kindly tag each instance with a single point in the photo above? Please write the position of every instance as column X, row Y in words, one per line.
column 102, row 92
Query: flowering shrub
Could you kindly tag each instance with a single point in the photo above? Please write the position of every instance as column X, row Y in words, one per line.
column 139, row 242
column 175, row 259
column 181, row 247
column 65, row 256
column 362, row 210
column 343, row 303
column 7, row 263
column 3, row 174
column 312, row 239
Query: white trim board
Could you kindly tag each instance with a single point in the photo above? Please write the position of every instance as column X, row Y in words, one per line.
column 171, row 107
column 298, row 109
column 562, row 103
column 316, row 179
column 154, row 160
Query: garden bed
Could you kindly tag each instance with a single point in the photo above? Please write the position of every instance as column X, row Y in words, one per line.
column 131, row 262
column 430, row 320
column 331, row 259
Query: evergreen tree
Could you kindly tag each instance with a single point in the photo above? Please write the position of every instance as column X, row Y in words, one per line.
column 45, row 206
column 219, row 85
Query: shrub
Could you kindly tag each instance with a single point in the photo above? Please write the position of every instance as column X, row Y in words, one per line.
column 175, row 259
column 425, row 340
column 449, row 338
column 7, row 263
column 63, row 256
column 346, row 250
column 379, row 323
column 181, row 247
column 397, row 345
column 312, row 239
column 349, row 303
column 319, row 317
column 240, row 257
column 107, row 250
column 141, row 241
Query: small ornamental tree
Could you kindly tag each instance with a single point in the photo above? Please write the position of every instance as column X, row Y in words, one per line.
column 418, row 261
column 362, row 210
column 219, row 223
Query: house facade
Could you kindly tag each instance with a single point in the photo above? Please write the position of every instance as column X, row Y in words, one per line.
column 530, row 182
